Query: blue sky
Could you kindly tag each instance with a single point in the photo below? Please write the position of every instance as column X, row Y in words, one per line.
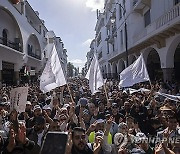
column 72, row 20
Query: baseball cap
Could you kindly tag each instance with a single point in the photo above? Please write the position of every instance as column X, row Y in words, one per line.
column 100, row 121
column 28, row 103
column 66, row 106
column 137, row 151
column 36, row 107
column 114, row 105
column 47, row 107
column 140, row 137
column 107, row 113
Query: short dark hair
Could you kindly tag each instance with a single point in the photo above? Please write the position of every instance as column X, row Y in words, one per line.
column 78, row 129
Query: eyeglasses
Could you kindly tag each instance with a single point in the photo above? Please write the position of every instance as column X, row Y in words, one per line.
column 78, row 137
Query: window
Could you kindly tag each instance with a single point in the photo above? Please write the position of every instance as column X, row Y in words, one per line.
column 40, row 29
column 147, row 18
column 124, row 6
column 107, row 48
column 99, row 39
column 113, row 47
column 121, row 34
column 44, row 33
column 120, row 12
column 4, row 34
column 176, row 2
column 108, row 31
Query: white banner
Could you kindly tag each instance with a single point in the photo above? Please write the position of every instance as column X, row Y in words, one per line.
column 52, row 75
column 18, row 99
column 131, row 91
column 171, row 97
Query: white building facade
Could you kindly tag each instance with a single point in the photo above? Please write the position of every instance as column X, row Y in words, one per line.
column 22, row 42
column 90, row 55
column 150, row 27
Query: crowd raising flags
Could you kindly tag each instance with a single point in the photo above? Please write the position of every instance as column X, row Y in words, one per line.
column 52, row 75
column 135, row 73
column 94, row 76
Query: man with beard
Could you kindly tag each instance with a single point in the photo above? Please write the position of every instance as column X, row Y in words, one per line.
column 37, row 134
column 37, row 112
column 28, row 112
column 79, row 144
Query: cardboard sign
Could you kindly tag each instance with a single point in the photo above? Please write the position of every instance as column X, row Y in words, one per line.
column 18, row 99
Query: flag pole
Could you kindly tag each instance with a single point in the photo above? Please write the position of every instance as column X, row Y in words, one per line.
column 70, row 92
column 104, row 85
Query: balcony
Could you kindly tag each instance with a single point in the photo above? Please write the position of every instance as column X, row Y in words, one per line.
column 169, row 16
column 165, row 26
column 140, row 4
column 30, row 53
column 8, row 43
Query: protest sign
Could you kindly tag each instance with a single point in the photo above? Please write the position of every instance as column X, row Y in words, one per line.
column 18, row 98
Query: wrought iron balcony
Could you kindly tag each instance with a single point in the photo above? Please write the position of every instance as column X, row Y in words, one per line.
column 30, row 53
column 8, row 43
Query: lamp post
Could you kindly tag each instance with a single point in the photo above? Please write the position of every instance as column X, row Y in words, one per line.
column 113, row 19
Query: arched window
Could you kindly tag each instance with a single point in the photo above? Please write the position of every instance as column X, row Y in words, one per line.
column 4, row 34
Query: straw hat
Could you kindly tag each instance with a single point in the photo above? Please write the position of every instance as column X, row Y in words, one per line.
column 165, row 108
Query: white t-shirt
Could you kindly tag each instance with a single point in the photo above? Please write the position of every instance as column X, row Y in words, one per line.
column 40, row 138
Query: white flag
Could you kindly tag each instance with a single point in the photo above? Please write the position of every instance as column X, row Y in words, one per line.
column 171, row 97
column 135, row 73
column 94, row 76
column 52, row 75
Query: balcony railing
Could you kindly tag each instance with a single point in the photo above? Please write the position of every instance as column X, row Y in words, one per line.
column 170, row 15
column 158, row 23
column 30, row 53
column 11, row 44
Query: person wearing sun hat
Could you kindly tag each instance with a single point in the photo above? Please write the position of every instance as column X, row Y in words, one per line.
column 166, row 110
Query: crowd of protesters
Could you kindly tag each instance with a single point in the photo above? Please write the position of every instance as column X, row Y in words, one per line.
column 117, row 123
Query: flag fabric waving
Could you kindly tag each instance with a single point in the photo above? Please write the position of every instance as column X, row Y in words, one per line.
column 135, row 73
column 94, row 76
column 52, row 75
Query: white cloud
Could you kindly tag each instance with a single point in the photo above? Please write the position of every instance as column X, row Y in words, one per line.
column 87, row 42
column 77, row 63
column 95, row 4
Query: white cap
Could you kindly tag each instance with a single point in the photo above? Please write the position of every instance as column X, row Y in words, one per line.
column 47, row 107
column 28, row 103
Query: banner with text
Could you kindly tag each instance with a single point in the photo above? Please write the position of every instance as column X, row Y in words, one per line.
column 18, row 99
